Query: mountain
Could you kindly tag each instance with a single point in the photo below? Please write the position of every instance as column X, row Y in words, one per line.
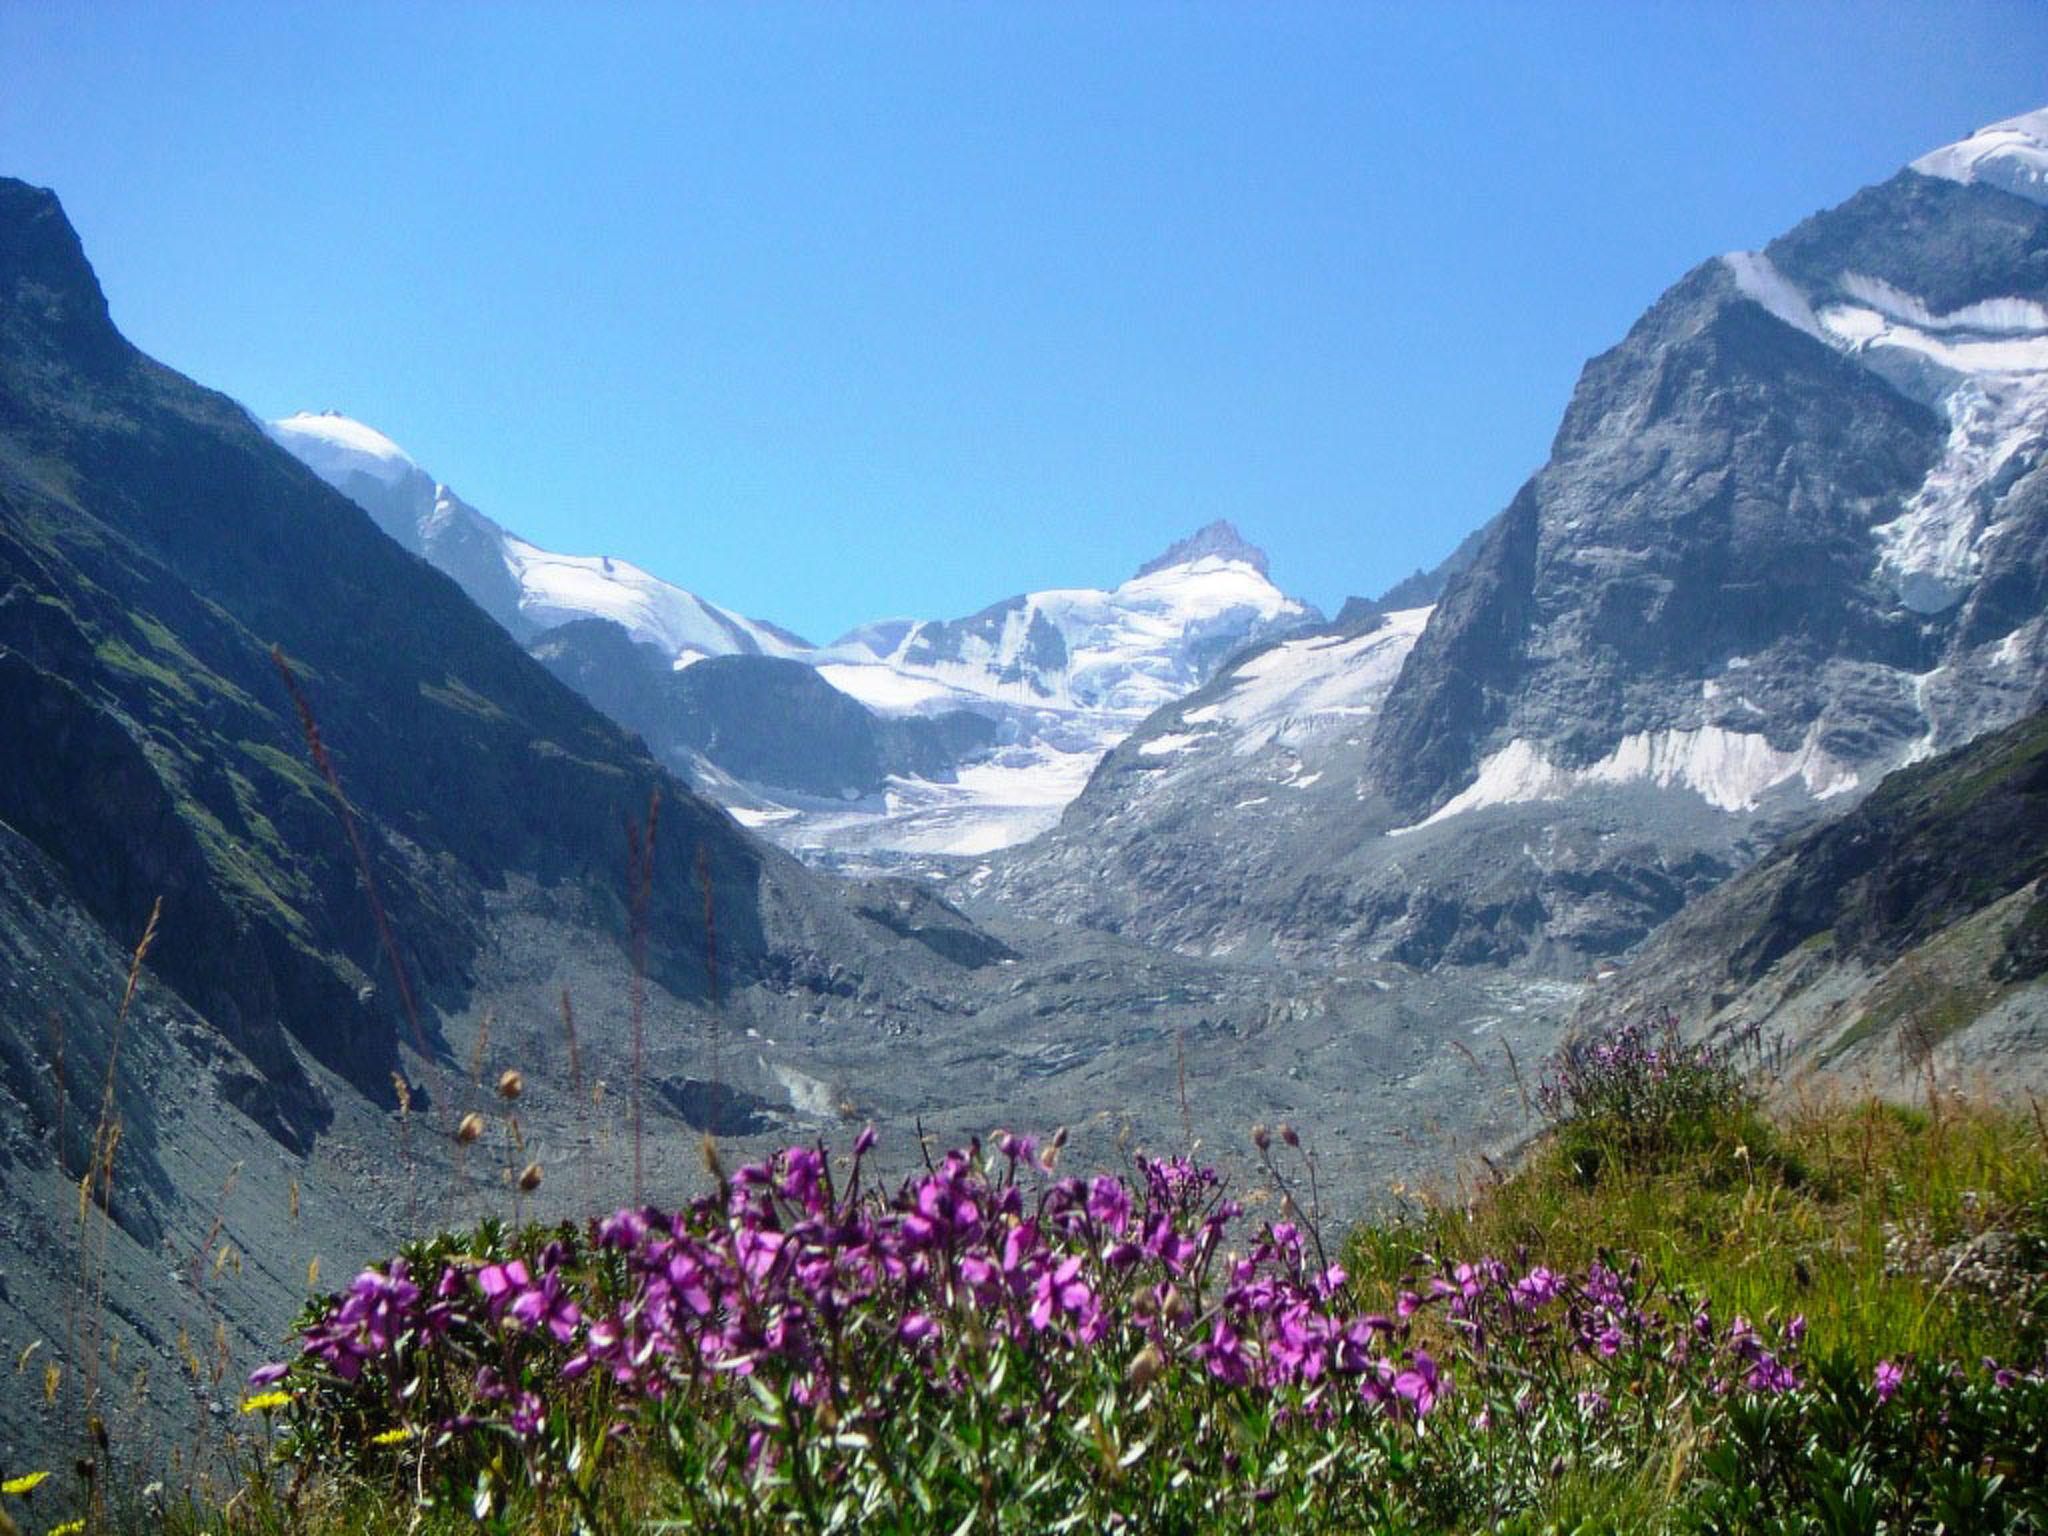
column 523, row 587
column 1120, row 652
column 1066, row 674
column 1910, row 931
column 278, row 1116
column 750, row 728
column 928, row 736
column 157, row 550
column 1793, row 533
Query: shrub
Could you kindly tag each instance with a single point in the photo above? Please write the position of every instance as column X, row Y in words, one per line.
column 1641, row 1091
column 993, row 1344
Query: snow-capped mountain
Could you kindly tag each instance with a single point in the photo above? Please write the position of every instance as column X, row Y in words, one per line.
column 1066, row 673
column 526, row 588
column 954, row 736
column 1793, row 533
column 1123, row 652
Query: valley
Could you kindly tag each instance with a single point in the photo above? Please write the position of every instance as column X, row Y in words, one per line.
column 405, row 802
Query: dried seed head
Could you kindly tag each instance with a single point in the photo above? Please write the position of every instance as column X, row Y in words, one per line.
column 708, row 1148
column 470, row 1129
column 529, row 1177
column 1176, row 1307
column 1290, row 1135
column 1147, row 1366
column 511, row 1085
column 1262, row 1138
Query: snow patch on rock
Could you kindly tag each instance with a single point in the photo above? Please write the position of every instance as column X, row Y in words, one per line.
column 1730, row 770
column 1299, row 688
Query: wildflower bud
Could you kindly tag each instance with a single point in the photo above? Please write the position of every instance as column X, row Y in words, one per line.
column 529, row 1177
column 1290, row 1135
column 511, row 1085
column 470, row 1129
column 1262, row 1138
column 1147, row 1367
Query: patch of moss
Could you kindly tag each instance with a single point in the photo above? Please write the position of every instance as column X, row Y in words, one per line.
column 458, row 695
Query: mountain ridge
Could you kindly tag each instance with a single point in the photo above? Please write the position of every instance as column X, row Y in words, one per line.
column 1793, row 533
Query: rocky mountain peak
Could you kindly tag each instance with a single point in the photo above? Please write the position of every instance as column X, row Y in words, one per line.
column 45, row 278
column 1219, row 540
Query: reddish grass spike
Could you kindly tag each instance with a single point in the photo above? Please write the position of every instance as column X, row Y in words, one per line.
column 640, row 873
column 317, row 749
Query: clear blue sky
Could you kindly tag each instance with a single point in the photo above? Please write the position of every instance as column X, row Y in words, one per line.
column 837, row 312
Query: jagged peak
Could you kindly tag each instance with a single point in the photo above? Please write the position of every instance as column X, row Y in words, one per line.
column 1219, row 540
column 40, row 254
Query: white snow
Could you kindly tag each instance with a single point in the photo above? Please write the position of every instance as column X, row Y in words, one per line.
column 2021, row 316
column 1007, row 799
column 2011, row 155
column 1161, row 746
column 886, row 690
column 555, row 588
column 1128, row 650
column 1299, row 687
column 334, row 446
column 759, row 816
column 1984, row 365
column 1990, row 362
column 1758, row 277
column 1730, row 770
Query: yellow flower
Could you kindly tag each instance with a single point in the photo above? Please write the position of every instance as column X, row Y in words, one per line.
column 263, row 1402
column 396, row 1436
column 25, row 1484
column 68, row 1528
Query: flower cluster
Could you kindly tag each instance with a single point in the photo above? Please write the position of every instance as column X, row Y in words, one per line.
column 799, row 1336
column 1639, row 1079
column 782, row 1273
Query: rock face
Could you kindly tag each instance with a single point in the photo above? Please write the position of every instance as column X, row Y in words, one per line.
column 1790, row 536
column 1911, row 931
column 769, row 722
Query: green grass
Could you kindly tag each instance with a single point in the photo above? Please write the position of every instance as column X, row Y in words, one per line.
column 1839, row 1212
column 1776, row 1217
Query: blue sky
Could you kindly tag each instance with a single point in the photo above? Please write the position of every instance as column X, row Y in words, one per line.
column 832, row 313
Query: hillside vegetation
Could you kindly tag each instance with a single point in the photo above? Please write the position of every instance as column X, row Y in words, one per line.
column 1682, row 1313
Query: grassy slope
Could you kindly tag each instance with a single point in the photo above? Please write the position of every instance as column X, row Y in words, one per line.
column 1849, row 1213
column 1782, row 1216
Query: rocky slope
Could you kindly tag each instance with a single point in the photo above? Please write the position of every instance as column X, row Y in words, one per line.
column 757, row 730
column 1912, row 930
column 155, row 549
column 1793, row 533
